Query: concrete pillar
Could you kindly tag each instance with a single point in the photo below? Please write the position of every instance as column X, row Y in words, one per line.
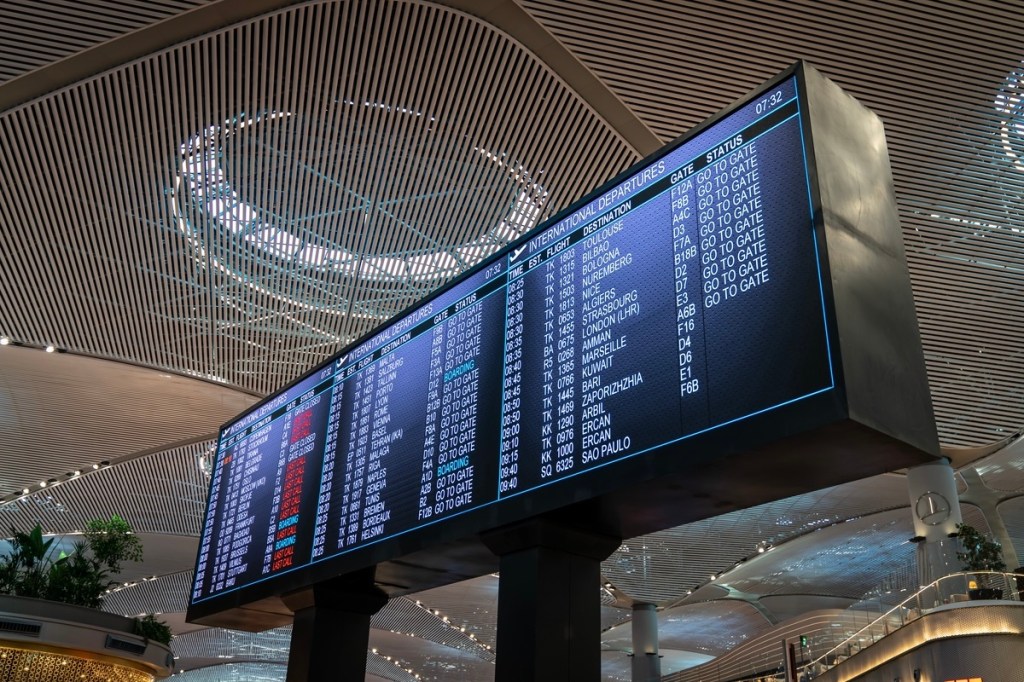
column 549, row 607
column 331, row 629
column 646, row 659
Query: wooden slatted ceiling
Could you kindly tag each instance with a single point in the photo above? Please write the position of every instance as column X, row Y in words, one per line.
column 38, row 33
column 164, row 594
column 932, row 71
column 427, row 138
column 173, row 503
column 379, row 182
column 94, row 258
column 125, row 257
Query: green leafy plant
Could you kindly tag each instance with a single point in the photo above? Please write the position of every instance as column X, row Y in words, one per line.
column 151, row 627
column 979, row 553
column 34, row 568
column 112, row 542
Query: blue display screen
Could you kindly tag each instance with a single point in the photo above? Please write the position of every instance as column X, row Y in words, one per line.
column 683, row 298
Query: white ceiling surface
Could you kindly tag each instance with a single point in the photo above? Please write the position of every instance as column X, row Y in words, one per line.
column 368, row 172
column 61, row 413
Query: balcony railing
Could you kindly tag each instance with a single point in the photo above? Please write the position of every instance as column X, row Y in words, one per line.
column 841, row 634
column 951, row 589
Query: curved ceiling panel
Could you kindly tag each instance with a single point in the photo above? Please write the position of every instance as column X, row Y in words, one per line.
column 973, row 516
column 785, row 606
column 158, row 594
column 472, row 604
column 61, row 413
column 240, row 206
column 663, row 566
column 241, row 672
column 1004, row 470
column 174, row 501
column 418, row 658
column 954, row 123
column 709, row 628
column 410, row 617
column 870, row 549
column 220, row 645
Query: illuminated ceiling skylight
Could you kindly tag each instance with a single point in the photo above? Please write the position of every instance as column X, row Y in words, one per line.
column 1011, row 109
column 256, row 246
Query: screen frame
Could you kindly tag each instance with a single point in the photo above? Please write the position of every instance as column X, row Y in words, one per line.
column 596, row 484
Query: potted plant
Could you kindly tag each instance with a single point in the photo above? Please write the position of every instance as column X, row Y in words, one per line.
column 980, row 554
column 35, row 568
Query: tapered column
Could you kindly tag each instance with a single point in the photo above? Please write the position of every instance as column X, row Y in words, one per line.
column 549, row 608
column 331, row 630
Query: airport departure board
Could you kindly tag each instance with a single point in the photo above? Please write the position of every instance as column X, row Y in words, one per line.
column 686, row 296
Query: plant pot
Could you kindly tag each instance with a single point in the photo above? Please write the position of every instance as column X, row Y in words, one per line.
column 45, row 640
column 985, row 593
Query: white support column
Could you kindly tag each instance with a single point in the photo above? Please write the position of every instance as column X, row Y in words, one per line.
column 935, row 506
column 646, row 659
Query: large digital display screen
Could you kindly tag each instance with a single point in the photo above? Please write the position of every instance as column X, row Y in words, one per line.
column 684, row 297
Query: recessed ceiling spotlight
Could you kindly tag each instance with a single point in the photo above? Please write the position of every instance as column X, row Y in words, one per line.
column 5, row 340
column 713, row 576
column 51, row 348
column 42, row 484
column 95, row 466
column 78, row 472
column 24, row 491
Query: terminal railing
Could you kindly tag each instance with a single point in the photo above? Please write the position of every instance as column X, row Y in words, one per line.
column 843, row 633
column 951, row 589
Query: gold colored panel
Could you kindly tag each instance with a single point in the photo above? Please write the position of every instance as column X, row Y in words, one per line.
column 36, row 665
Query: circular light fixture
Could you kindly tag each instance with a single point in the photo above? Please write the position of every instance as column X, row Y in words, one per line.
column 51, row 348
column 203, row 191
column 5, row 340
